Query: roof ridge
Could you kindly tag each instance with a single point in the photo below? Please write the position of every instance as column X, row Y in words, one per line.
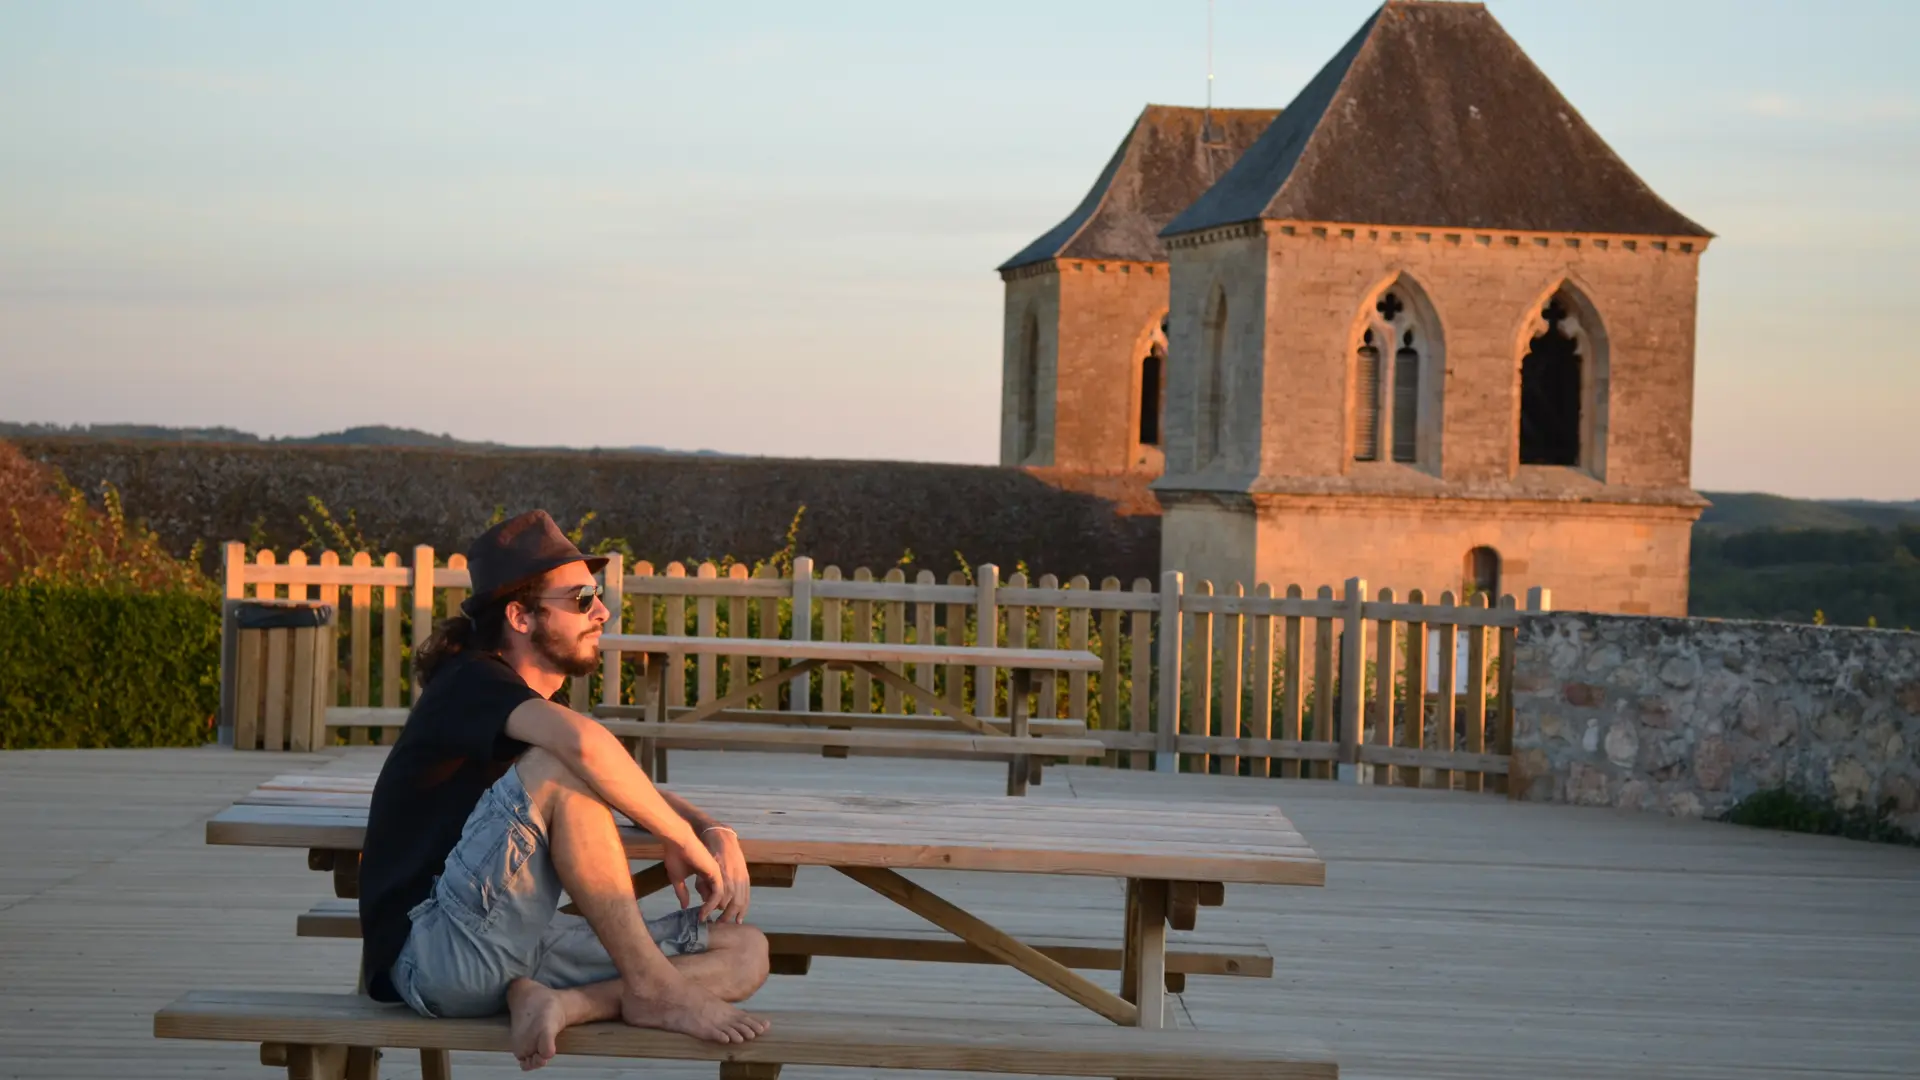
column 1578, row 117
column 1104, row 185
column 1277, row 139
column 1342, row 90
column 1053, row 241
column 1432, row 112
column 1167, row 158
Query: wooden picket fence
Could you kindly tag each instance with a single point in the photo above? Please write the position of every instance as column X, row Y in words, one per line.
column 1253, row 685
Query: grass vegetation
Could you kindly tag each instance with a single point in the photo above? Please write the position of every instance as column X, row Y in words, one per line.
column 1788, row 810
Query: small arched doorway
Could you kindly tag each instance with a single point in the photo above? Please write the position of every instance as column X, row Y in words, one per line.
column 1481, row 575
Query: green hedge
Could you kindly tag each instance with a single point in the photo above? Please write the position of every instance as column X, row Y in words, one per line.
column 89, row 667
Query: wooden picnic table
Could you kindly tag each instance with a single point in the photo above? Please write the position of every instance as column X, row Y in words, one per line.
column 1174, row 857
column 801, row 658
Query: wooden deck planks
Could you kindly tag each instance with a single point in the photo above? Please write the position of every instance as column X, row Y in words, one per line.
column 1458, row 935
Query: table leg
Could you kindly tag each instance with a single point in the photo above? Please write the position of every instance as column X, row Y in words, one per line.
column 1143, row 962
column 933, row 702
column 304, row 1062
column 653, row 755
column 1018, row 683
column 995, row 942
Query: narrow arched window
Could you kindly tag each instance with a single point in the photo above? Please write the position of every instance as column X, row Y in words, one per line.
column 1551, row 388
column 1389, row 378
column 1213, row 377
column 1366, row 398
column 1153, row 374
column 1406, row 399
column 1027, row 393
column 1482, row 574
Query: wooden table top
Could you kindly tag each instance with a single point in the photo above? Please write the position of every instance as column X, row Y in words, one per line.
column 875, row 652
column 1166, row 841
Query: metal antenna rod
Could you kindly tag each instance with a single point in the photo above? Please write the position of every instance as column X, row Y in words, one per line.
column 1209, row 61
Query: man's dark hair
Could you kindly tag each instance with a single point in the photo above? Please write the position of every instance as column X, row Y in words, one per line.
column 485, row 630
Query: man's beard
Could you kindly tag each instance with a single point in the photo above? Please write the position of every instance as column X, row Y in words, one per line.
column 582, row 659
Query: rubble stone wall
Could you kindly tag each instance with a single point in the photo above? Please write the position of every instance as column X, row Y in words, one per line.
column 1689, row 716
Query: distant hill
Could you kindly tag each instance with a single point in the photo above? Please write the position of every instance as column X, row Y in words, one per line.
column 1738, row 511
column 370, row 435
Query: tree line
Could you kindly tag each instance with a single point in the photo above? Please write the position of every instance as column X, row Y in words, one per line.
column 1846, row 577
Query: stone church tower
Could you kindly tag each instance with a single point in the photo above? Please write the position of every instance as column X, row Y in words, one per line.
column 1084, row 370
column 1428, row 330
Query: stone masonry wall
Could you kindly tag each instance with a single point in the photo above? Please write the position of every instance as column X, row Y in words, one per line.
column 1595, row 557
column 1107, row 311
column 1486, row 289
column 1689, row 716
column 1031, row 295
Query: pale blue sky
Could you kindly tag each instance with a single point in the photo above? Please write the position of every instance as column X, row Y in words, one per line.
column 772, row 227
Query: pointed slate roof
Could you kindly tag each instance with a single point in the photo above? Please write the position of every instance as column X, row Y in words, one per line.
column 1431, row 115
column 1161, row 167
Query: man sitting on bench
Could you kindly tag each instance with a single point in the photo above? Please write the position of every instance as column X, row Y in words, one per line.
column 495, row 799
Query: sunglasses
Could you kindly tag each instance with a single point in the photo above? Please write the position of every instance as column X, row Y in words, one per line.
column 582, row 597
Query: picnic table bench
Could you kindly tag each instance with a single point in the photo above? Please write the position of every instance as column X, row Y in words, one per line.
column 961, row 735
column 1174, row 858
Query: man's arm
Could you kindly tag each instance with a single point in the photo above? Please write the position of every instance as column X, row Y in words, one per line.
column 595, row 756
column 696, row 817
column 725, row 846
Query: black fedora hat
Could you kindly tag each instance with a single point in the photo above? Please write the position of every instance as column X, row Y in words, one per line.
column 516, row 550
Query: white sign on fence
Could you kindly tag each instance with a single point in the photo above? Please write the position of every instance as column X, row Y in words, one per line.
column 1459, row 661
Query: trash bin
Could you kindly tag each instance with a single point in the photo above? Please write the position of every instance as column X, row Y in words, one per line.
column 282, row 675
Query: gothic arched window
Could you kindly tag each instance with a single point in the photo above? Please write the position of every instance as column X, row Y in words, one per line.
column 1552, row 388
column 1026, row 430
column 1153, row 375
column 1212, row 396
column 1388, row 372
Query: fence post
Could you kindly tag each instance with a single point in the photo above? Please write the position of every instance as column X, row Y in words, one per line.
column 614, row 578
column 1353, row 678
column 1166, row 756
column 1503, row 718
column 800, row 695
column 986, row 633
column 422, row 607
column 1385, row 660
column 233, row 575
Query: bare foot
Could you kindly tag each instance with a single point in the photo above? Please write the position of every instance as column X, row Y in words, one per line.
column 684, row 1007
column 537, row 1017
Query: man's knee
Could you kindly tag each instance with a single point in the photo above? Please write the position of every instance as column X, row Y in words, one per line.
column 550, row 782
column 745, row 946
